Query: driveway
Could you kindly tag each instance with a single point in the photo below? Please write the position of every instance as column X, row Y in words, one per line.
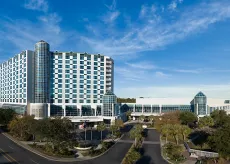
column 152, row 149
column 14, row 154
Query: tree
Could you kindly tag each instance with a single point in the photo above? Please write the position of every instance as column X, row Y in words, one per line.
column 173, row 151
column 219, row 117
column 185, row 131
column 142, row 117
column 152, row 119
column 21, row 127
column 126, row 100
column 205, row 121
column 6, row 115
column 128, row 114
column 136, row 133
column 220, row 141
column 175, row 131
column 101, row 127
column 165, row 130
column 113, row 129
column 187, row 117
column 119, row 123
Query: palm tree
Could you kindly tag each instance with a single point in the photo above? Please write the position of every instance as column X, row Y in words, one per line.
column 165, row 130
column 142, row 117
column 135, row 133
column 128, row 114
column 152, row 119
column 119, row 123
column 175, row 131
column 185, row 131
column 113, row 128
column 101, row 127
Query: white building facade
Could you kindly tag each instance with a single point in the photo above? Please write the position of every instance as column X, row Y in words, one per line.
column 48, row 84
column 200, row 105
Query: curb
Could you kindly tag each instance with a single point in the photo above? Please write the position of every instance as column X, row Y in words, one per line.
column 19, row 143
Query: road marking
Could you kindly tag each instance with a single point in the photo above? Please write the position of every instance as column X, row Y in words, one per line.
column 34, row 161
column 11, row 147
column 12, row 159
column 5, row 156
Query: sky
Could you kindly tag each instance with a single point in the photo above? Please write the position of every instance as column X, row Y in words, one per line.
column 161, row 48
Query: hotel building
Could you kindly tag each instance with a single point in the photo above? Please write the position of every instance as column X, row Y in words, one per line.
column 48, row 83
column 80, row 86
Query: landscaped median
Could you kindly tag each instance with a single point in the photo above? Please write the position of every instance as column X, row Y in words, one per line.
column 132, row 156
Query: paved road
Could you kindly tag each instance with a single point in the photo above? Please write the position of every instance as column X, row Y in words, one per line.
column 14, row 154
column 152, row 149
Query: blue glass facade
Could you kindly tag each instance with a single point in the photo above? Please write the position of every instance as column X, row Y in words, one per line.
column 42, row 58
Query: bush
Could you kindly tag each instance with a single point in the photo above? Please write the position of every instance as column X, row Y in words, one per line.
column 173, row 151
column 132, row 156
column 105, row 146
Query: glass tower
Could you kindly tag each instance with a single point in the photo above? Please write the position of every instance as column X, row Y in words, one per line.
column 199, row 104
column 41, row 94
column 109, row 102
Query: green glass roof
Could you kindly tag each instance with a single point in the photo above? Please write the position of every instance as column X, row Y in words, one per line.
column 200, row 94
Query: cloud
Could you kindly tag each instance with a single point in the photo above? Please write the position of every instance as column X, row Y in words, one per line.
column 24, row 33
column 147, row 10
column 154, row 32
column 187, row 70
column 159, row 74
column 172, row 6
column 112, row 14
column 110, row 17
column 142, row 65
column 189, row 91
column 112, row 6
column 40, row 5
column 129, row 74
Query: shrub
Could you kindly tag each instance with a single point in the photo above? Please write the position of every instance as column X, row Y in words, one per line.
column 173, row 151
